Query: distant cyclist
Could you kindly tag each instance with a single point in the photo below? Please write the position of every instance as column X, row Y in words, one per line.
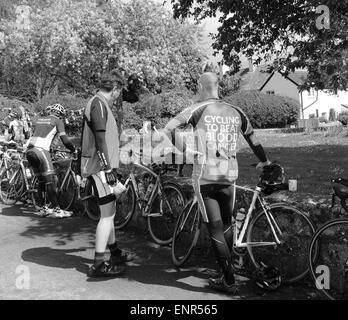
column 217, row 126
column 16, row 129
column 46, row 128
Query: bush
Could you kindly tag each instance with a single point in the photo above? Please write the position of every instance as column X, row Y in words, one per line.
column 264, row 110
column 158, row 109
column 229, row 85
column 343, row 118
column 69, row 101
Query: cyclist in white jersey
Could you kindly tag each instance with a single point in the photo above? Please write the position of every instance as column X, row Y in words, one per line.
column 217, row 127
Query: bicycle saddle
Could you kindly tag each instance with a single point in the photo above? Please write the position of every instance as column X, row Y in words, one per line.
column 341, row 181
column 341, row 188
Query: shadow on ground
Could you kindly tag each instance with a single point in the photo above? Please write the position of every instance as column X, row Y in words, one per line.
column 62, row 230
column 72, row 248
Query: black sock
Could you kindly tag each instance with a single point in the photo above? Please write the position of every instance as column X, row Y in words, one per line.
column 114, row 249
column 99, row 258
column 229, row 275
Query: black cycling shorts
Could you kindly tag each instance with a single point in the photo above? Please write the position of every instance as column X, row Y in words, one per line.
column 40, row 160
column 216, row 201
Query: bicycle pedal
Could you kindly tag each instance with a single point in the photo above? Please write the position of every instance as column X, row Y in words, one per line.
column 153, row 215
column 86, row 198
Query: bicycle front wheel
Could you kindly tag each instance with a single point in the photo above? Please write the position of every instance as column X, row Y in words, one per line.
column 11, row 185
column 125, row 207
column 90, row 201
column 290, row 257
column 186, row 233
column 164, row 212
column 330, row 270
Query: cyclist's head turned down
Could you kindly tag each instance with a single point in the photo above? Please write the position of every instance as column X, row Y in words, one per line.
column 111, row 85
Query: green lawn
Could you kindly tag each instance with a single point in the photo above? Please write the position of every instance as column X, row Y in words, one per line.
column 313, row 159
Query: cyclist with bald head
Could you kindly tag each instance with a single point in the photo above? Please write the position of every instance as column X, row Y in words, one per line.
column 217, row 128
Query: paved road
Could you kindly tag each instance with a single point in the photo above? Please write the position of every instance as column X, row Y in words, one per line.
column 56, row 255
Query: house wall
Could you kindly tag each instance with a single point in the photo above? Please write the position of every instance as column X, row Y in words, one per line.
column 317, row 102
column 282, row 87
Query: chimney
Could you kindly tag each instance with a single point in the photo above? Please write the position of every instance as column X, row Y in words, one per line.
column 251, row 65
column 276, row 64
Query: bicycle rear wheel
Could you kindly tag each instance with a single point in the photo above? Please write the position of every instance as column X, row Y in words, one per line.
column 164, row 212
column 125, row 207
column 37, row 195
column 11, row 184
column 186, row 233
column 290, row 257
column 330, row 270
column 66, row 193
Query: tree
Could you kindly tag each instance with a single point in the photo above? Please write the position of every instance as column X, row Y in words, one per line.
column 304, row 31
column 69, row 44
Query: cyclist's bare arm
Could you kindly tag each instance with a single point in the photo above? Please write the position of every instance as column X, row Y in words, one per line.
column 62, row 134
column 179, row 121
column 98, row 123
column 256, row 147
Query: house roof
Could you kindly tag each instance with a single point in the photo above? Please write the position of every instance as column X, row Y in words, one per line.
column 299, row 77
column 253, row 80
column 257, row 79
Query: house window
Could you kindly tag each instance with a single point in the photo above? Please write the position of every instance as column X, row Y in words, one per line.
column 270, row 91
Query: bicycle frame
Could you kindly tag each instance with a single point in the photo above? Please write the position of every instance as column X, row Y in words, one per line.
column 156, row 190
column 238, row 240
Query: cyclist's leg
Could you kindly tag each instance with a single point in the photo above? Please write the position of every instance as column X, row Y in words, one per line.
column 43, row 169
column 226, row 198
column 105, row 233
column 49, row 177
column 206, row 195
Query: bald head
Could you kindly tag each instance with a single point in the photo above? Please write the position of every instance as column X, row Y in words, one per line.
column 209, row 85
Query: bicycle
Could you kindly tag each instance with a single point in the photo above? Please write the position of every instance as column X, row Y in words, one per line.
column 160, row 206
column 70, row 186
column 276, row 234
column 15, row 175
column 329, row 269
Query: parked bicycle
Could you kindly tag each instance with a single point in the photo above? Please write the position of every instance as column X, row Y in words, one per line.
column 160, row 203
column 70, row 186
column 276, row 234
column 329, row 269
column 15, row 177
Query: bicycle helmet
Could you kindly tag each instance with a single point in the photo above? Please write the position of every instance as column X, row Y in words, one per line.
column 272, row 178
column 267, row 278
column 58, row 109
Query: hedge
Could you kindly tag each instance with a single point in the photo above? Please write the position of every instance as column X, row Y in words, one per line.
column 158, row 109
column 264, row 110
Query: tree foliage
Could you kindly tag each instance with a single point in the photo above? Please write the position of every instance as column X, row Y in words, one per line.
column 68, row 44
column 259, row 29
